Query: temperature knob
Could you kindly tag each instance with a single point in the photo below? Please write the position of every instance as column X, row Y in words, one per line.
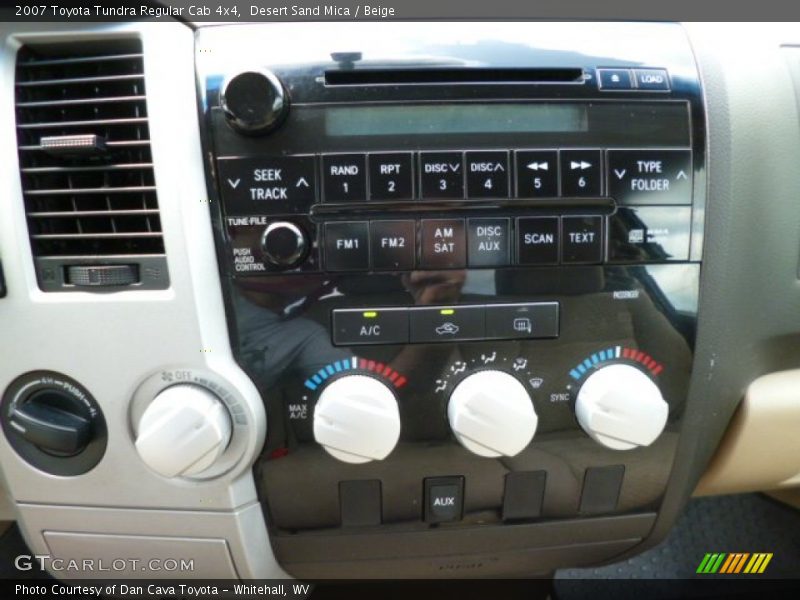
column 357, row 420
column 491, row 414
column 621, row 408
column 183, row 431
column 254, row 102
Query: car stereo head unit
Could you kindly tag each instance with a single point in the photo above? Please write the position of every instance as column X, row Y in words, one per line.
column 462, row 266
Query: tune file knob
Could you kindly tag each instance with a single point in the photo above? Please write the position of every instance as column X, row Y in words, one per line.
column 356, row 419
column 285, row 245
column 621, row 408
column 491, row 414
column 183, row 431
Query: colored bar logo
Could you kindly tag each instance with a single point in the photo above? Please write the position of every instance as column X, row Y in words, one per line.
column 733, row 563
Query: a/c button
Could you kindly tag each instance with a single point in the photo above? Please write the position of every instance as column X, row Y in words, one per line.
column 370, row 326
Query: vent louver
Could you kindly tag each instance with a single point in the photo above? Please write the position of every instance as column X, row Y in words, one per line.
column 85, row 160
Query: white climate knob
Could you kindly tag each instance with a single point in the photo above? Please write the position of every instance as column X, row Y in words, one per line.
column 491, row 414
column 621, row 408
column 357, row 420
column 183, row 431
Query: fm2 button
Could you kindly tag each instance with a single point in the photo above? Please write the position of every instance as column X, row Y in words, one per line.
column 581, row 173
column 393, row 245
column 390, row 176
column 444, row 499
column 344, row 177
column 487, row 174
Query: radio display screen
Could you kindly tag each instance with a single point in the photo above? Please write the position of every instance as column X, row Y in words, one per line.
column 421, row 119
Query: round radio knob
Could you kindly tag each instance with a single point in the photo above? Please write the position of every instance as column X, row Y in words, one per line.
column 621, row 408
column 357, row 420
column 491, row 414
column 254, row 102
column 285, row 245
column 183, row 431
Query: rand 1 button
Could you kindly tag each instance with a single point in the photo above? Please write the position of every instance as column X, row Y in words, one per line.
column 537, row 173
column 391, row 176
column 344, row 177
column 446, row 323
column 637, row 177
column 443, row 244
column 393, row 245
column 487, row 174
column 268, row 184
column 444, row 499
column 649, row 234
column 538, row 240
column 441, row 175
column 357, row 326
column 521, row 321
column 488, row 242
column 347, row 246
column 581, row 173
column 582, row 240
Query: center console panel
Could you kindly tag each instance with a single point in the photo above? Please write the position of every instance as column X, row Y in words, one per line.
column 462, row 266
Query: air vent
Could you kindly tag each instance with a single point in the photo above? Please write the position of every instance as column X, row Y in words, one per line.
column 85, row 161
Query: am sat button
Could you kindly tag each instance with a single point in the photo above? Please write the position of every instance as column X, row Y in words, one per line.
column 444, row 244
column 446, row 323
column 649, row 234
column 637, row 177
column 359, row 326
column 520, row 321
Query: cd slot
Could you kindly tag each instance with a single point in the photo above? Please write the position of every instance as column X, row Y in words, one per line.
column 433, row 76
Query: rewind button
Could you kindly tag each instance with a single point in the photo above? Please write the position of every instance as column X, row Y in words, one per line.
column 537, row 173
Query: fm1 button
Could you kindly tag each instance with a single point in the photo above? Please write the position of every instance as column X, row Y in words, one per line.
column 347, row 246
column 393, row 245
column 441, row 175
column 344, row 177
column 487, row 174
column 581, row 173
column 537, row 240
column 638, row 177
column 444, row 499
column 353, row 327
column 537, row 173
column 444, row 244
column 582, row 240
column 390, row 176
column 487, row 242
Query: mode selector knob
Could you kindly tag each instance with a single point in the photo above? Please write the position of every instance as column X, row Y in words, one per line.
column 491, row 414
column 621, row 408
column 254, row 102
column 183, row 431
column 356, row 419
column 285, row 245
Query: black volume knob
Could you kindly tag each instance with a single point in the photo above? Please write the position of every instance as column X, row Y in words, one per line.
column 285, row 245
column 254, row 102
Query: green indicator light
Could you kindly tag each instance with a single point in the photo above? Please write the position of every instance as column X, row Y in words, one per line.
column 370, row 314
column 447, row 311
